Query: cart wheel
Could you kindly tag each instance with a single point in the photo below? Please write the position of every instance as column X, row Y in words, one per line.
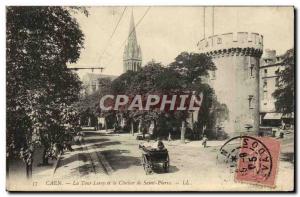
column 148, row 170
column 144, row 162
column 146, row 165
column 150, row 166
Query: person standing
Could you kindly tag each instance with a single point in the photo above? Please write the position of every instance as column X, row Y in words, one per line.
column 282, row 125
column 204, row 141
column 151, row 129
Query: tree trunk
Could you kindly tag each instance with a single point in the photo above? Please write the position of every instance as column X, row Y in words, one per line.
column 182, row 135
column 132, row 128
column 105, row 124
column 45, row 158
column 140, row 127
column 7, row 167
column 28, row 170
column 28, row 163
column 202, row 131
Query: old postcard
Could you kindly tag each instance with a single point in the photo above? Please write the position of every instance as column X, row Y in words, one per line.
column 150, row 98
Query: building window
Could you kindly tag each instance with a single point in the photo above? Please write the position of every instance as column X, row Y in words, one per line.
column 278, row 59
column 265, row 95
column 251, row 70
column 219, row 40
column 265, row 72
column 250, row 99
column 265, row 85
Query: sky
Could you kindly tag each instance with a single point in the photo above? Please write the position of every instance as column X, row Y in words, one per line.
column 165, row 32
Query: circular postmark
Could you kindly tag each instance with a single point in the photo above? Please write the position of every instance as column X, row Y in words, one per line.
column 250, row 157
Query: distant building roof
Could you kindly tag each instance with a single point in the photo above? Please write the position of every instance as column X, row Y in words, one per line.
column 88, row 77
column 269, row 58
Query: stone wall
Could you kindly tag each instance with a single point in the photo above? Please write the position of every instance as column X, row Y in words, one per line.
column 236, row 80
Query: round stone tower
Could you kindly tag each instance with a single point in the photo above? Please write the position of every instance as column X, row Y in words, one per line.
column 236, row 80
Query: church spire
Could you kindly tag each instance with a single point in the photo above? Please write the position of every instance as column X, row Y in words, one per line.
column 132, row 57
column 132, row 33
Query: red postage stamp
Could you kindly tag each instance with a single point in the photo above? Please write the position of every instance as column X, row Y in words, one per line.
column 258, row 160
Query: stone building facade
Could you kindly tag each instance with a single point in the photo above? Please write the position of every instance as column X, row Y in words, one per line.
column 271, row 65
column 132, row 57
column 91, row 82
column 236, row 80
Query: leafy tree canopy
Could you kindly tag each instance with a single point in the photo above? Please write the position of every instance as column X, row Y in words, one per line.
column 285, row 94
column 40, row 42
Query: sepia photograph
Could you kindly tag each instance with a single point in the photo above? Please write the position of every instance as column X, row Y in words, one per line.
column 150, row 98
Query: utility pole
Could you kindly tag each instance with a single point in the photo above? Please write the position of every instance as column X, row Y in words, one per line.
column 88, row 68
column 213, row 21
column 203, row 22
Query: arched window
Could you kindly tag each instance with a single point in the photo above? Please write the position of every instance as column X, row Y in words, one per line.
column 250, row 99
column 251, row 70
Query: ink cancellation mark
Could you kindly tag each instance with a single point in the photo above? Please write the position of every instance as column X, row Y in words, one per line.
column 255, row 159
column 258, row 161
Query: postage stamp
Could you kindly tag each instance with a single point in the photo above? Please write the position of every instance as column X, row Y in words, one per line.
column 258, row 160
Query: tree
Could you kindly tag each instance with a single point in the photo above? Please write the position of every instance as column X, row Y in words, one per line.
column 153, row 78
column 88, row 105
column 192, row 67
column 183, row 76
column 122, row 84
column 141, row 82
column 40, row 42
column 285, row 93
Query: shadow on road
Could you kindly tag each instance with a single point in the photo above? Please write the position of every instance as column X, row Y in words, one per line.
column 93, row 133
column 83, row 170
column 119, row 160
column 97, row 133
column 91, row 141
column 288, row 156
column 66, row 159
column 104, row 144
column 158, row 169
column 99, row 145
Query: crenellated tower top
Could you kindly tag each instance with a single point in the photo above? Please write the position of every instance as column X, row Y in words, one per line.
column 240, row 43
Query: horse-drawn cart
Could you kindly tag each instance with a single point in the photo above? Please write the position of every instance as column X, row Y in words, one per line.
column 153, row 157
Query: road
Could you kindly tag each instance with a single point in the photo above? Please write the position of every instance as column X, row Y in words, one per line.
column 115, row 158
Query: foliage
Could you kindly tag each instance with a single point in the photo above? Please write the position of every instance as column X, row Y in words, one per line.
column 192, row 66
column 88, row 105
column 40, row 88
column 91, row 101
column 181, row 76
column 285, row 93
